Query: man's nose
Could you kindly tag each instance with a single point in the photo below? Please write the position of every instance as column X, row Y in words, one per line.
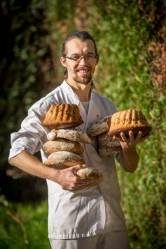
column 83, row 60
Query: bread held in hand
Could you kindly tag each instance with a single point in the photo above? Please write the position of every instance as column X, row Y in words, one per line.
column 60, row 144
column 89, row 173
column 63, row 159
column 69, row 134
column 127, row 120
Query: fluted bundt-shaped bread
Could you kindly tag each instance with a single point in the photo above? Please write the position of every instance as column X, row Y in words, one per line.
column 62, row 116
column 126, row 120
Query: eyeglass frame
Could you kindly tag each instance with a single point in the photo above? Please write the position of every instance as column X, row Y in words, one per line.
column 95, row 56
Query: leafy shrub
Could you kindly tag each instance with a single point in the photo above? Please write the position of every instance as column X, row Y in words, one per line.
column 124, row 31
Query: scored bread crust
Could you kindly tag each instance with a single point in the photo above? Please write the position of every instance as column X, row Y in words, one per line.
column 69, row 134
column 126, row 120
column 99, row 127
column 89, row 173
column 107, row 146
column 62, row 116
column 62, row 159
column 61, row 144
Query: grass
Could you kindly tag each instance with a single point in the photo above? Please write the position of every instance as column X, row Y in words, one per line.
column 23, row 226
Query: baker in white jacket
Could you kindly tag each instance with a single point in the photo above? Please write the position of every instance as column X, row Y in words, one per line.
column 79, row 217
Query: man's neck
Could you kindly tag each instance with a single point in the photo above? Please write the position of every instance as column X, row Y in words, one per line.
column 83, row 91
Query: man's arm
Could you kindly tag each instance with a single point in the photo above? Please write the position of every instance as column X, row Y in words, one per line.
column 130, row 155
column 130, row 158
column 65, row 177
column 30, row 164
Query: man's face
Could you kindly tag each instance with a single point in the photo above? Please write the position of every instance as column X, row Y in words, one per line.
column 80, row 60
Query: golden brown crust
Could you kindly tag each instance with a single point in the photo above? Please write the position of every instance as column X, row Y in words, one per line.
column 126, row 120
column 62, row 116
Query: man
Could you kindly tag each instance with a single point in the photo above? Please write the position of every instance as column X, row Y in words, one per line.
column 79, row 217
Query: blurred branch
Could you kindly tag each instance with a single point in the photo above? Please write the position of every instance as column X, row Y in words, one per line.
column 9, row 212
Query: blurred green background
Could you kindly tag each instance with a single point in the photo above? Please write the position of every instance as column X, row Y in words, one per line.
column 131, row 39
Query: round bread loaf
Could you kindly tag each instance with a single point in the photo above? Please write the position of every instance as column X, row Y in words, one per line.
column 69, row 134
column 126, row 120
column 62, row 159
column 89, row 173
column 61, row 144
column 62, row 116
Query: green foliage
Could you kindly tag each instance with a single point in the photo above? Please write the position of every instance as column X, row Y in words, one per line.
column 23, row 49
column 34, row 31
column 124, row 76
column 23, row 226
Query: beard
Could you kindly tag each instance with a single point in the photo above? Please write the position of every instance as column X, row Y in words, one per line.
column 83, row 80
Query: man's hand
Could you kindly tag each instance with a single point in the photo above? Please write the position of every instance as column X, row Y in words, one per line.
column 67, row 177
column 130, row 142
column 128, row 145
column 69, row 180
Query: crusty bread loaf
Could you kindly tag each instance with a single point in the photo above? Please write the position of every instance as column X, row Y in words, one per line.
column 61, row 144
column 98, row 127
column 89, row 173
column 62, row 116
column 107, row 146
column 70, row 134
column 126, row 120
column 62, row 159
column 107, row 151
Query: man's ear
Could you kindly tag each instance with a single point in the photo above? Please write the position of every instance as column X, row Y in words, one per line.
column 63, row 61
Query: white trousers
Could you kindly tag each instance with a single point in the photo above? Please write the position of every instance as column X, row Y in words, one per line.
column 114, row 240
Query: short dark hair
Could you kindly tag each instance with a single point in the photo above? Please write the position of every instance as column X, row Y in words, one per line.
column 82, row 35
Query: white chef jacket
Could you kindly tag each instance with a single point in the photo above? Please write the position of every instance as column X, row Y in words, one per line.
column 85, row 212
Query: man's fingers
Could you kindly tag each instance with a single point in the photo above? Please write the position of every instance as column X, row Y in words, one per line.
column 83, row 186
column 84, row 183
column 131, row 136
column 114, row 138
column 75, row 168
column 123, row 137
column 139, row 137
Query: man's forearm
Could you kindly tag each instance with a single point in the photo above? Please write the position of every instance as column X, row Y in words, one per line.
column 131, row 159
column 32, row 165
column 64, row 177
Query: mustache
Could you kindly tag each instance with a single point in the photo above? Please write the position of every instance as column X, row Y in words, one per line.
column 84, row 68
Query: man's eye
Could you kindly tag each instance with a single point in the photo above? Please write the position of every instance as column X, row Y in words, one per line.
column 91, row 56
column 75, row 57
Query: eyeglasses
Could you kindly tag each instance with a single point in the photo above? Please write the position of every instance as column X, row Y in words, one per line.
column 78, row 57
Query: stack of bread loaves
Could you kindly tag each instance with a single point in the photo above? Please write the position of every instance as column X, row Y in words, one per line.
column 65, row 145
column 106, row 146
column 112, row 126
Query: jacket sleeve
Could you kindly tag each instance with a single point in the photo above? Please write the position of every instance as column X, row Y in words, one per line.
column 32, row 133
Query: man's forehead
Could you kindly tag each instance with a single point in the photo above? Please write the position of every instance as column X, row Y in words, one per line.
column 77, row 44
